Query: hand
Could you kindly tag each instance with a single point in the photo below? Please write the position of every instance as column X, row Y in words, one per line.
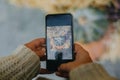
column 81, row 57
column 38, row 46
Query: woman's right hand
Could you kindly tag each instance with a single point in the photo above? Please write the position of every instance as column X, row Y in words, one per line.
column 81, row 57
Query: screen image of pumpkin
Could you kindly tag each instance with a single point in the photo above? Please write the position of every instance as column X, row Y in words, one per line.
column 59, row 41
column 90, row 24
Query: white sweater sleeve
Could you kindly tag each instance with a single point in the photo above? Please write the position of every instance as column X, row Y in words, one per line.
column 91, row 71
column 23, row 64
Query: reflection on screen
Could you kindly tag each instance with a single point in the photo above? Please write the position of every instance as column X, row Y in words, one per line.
column 59, row 41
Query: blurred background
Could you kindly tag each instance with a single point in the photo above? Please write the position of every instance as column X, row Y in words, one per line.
column 19, row 25
column 24, row 20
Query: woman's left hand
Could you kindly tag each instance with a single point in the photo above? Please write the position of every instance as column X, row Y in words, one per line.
column 38, row 46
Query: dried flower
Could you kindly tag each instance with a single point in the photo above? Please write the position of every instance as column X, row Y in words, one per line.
column 55, row 6
column 113, row 52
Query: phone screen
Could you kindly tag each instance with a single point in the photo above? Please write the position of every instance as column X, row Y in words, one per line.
column 59, row 37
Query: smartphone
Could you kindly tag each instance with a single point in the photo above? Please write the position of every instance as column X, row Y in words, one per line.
column 59, row 40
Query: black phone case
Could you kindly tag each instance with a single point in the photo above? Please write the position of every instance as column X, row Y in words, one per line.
column 52, row 65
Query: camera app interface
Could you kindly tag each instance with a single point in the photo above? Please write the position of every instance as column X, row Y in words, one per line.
column 59, row 41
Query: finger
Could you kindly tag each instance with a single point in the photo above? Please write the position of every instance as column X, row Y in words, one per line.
column 43, row 45
column 41, row 49
column 63, row 68
column 45, row 71
column 67, row 67
column 41, row 40
column 66, row 75
column 79, row 49
column 40, row 53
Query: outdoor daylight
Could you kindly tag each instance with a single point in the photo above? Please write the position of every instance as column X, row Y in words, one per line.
column 59, row 39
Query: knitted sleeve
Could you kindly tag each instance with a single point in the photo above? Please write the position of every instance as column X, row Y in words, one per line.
column 23, row 64
column 91, row 71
